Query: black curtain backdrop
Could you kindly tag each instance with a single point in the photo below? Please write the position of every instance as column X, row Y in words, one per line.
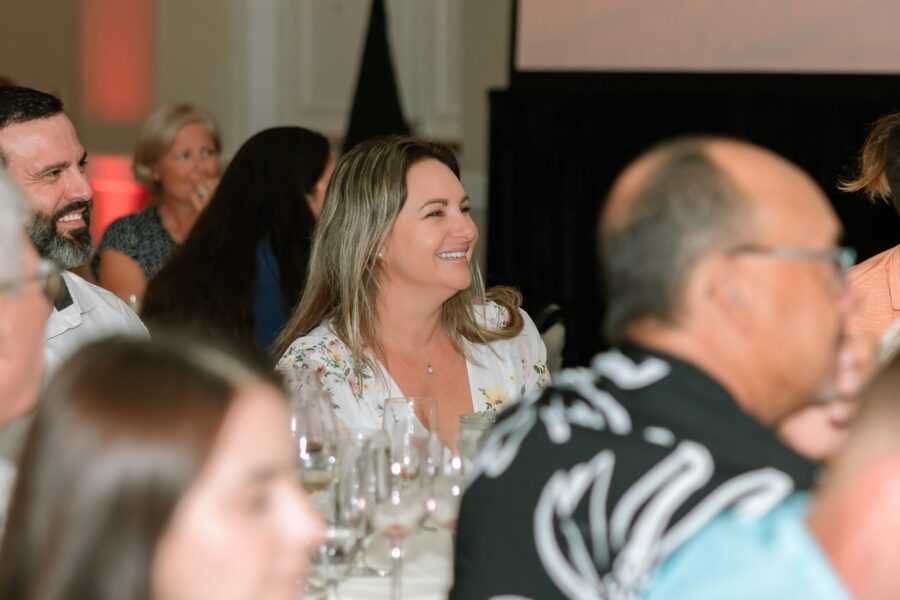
column 376, row 103
column 557, row 142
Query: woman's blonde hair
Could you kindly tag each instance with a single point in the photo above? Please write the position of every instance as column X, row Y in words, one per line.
column 366, row 193
column 158, row 133
column 879, row 162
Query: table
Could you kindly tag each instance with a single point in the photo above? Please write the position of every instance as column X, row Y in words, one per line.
column 427, row 569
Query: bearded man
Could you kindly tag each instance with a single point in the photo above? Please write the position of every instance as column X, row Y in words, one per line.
column 42, row 154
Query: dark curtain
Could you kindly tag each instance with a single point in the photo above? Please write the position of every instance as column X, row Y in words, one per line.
column 376, row 103
column 558, row 141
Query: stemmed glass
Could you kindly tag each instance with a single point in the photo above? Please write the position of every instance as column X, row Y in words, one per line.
column 361, row 496
column 446, row 491
column 402, row 475
column 346, row 517
column 315, row 433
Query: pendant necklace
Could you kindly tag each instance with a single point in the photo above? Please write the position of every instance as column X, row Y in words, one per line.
column 429, row 367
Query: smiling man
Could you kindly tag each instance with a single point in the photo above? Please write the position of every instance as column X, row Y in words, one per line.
column 42, row 154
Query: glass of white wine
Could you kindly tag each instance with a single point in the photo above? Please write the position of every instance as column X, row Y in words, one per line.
column 402, row 476
column 446, row 491
column 314, row 432
column 346, row 523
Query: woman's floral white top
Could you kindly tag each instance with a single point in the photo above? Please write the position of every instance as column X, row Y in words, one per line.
column 499, row 372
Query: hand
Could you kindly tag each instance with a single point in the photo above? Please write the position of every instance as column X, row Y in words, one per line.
column 819, row 430
column 857, row 362
column 203, row 192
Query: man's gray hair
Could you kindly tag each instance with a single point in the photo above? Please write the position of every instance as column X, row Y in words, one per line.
column 15, row 214
column 685, row 209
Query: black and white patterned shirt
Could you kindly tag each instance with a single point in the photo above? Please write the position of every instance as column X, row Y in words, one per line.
column 140, row 236
column 582, row 490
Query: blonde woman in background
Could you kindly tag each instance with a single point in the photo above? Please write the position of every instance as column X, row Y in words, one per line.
column 177, row 159
column 394, row 304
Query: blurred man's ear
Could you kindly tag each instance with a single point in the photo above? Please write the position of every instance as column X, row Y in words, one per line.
column 721, row 290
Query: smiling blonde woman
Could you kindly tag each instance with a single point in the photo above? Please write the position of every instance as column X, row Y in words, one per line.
column 394, row 304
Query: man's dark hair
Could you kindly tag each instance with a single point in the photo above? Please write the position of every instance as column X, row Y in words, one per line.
column 21, row 104
column 685, row 209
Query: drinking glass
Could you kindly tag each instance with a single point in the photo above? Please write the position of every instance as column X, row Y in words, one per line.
column 361, row 496
column 402, row 475
column 345, row 516
column 415, row 419
column 446, row 491
column 314, row 432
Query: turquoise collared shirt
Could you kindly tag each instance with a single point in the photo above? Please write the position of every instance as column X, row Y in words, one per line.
column 773, row 557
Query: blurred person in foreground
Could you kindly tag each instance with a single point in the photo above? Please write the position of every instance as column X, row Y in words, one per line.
column 841, row 543
column 41, row 151
column 177, row 159
column 243, row 268
column 726, row 310
column 28, row 286
column 158, row 469
column 394, row 304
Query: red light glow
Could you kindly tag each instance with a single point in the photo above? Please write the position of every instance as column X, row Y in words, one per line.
column 118, row 59
column 116, row 194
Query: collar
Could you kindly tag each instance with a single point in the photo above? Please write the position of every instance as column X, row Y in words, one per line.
column 64, row 299
column 71, row 315
column 693, row 405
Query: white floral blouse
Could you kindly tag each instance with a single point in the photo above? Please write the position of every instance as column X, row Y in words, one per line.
column 499, row 372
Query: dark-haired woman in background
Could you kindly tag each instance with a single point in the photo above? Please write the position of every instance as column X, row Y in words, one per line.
column 158, row 469
column 243, row 267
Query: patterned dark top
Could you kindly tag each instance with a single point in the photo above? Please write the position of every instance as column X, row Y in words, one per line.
column 582, row 491
column 140, row 236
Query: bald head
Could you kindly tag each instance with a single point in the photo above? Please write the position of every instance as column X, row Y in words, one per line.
column 666, row 210
column 682, row 201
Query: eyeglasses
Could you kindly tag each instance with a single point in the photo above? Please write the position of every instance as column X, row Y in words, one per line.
column 48, row 276
column 842, row 257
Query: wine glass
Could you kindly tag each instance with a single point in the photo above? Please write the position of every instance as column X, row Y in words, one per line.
column 415, row 419
column 361, row 496
column 401, row 476
column 314, row 431
column 446, row 491
column 346, row 517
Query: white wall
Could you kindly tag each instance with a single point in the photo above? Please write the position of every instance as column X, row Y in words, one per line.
column 827, row 36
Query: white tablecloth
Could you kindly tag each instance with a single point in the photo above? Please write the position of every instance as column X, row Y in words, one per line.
column 427, row 569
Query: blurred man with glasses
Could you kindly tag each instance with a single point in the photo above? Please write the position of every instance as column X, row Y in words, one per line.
column 43, row 156
column 726, row 310
column 28, row 285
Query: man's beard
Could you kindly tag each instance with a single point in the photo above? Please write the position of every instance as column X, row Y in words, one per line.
column 71, row 249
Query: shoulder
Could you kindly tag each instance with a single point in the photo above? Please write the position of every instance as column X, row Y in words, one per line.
column 496, row 316
column 872, row 267
column 735, row 554
column 318, row 345
column 129, row 224
column 103, row 305
column 125, row 233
